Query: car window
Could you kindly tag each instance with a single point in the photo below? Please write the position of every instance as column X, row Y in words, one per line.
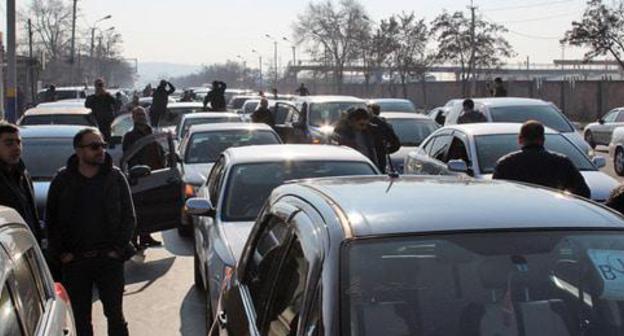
column 264, row 261
column 28, row 292
column 610, row 117
column 397, row 106
column 202, row 121
column 214, row 181
column 122, row 125
column 428, row 146
column 287, row 301
column 440, row 147
column 328, row 114
column 9, row 321
column 412, row 132
column 205, row 147
column 546, row 114
column 620, row 116
column 45, row 156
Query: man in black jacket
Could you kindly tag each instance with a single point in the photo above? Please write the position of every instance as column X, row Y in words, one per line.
column 160, row 100
column 355, row 131
column 102, row 104
column 91, row 219
column 469, row 115
column 386, row 141
column 534, row 164
column 216, row 97
column 262, row 114
column 16, row 188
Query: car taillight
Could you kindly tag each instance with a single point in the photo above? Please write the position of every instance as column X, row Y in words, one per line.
column 61, row 293
column 189, row 191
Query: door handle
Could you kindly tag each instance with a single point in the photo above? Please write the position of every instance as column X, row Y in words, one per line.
column 222, row 318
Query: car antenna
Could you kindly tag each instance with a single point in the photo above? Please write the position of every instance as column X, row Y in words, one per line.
column 392, row 173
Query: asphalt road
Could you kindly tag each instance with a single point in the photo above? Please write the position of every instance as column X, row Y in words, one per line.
column 160, row 298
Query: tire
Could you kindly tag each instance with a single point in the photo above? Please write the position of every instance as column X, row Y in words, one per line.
column 199, row 282
column 618, row 161
column 589, row 138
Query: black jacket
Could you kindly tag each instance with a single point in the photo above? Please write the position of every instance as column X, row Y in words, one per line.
column 216, row 98
column 386, row 141
column 22, row 200
column 536, row 165
column 345, row 135
column 263, row 115
column 102, row 106
column 160, row 98
column 471, row 117
column 151, row 155
column 64, row 236
column 616, row 199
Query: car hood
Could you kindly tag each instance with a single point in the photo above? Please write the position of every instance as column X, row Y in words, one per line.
column 578, row 140
column 41, row 196
column 600, row 184
column 236, row 234
column 197, row 173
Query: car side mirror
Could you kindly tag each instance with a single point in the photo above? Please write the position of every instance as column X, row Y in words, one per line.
column 138, row 172
column 457, row 166
column 197, row 206
column 599, row 161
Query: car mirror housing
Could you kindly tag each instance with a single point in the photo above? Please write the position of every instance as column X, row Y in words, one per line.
column 458, row 166
column 197, row 206
column 599, row 161
column 140, row 171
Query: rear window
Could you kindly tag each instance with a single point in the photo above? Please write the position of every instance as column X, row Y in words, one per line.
column 200, row 121
column 546, row 114
column 397, row 106
column 412, row 132
column 59, row 119
column 206, row 147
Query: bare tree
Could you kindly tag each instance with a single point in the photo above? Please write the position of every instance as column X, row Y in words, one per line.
column 51, row 20
column 601, row 30
column 410, row 56
column 378, row 50
column 333, row 33
column 472, row 46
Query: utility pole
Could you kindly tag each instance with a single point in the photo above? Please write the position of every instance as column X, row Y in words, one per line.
column 2, row 114
column 72, row 58
column 31, row 70
column 275, row 59
column 473, row 47
column 11, row 94
column 92, row 41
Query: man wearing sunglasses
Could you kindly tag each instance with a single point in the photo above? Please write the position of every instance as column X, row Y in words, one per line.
column 16, row 187
column 91, row 220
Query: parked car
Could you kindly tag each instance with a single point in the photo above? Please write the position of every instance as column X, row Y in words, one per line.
column 202, row 147
column 30, row 302
column 57, row 115
column 616, row 150
column 67, row 92
column 236, row 103
column 146, row 102
column 74, row 102
column 425, row 256
column 599, row 132
column 201, row 118
column 237, row 187
column 311, row 119
column 476, row 148
column 520, row 110
column 394, row 105
column 412, row 129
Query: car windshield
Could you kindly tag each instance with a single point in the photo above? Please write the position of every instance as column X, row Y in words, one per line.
column 207, row 146
column 488, row 283
column 57, row 119
column 490, row 148
column 412, row 132
column 201, row 121
column 396, row 106
column 328, row 114
column 250, row 184
column 546, row 114
column 44, row 156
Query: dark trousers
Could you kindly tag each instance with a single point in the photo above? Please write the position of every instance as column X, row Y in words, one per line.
column 155, row 116
column 105, row 128
column 107, row 275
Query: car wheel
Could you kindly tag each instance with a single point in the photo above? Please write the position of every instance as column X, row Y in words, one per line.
column 589, row 138
column 618, row 161
column 199, row 283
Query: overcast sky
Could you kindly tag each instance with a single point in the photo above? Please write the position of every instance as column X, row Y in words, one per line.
column 208, row 31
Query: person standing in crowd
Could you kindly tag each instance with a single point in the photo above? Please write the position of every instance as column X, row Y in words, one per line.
column 50, row 94
column 102, row 104
column 151, row 155
column 616, row 199
column 386, row 140
column 160, row 100
column 147, row 91
column 469, row 114
column 534, row 164
column 263, row 114
column 499, row 88
column 118, row 103
column 16, row 186
column 354, row 130
column 274, row 92
column 91, row 219
column 216, row 97
column 302, row 90
column 135, row 102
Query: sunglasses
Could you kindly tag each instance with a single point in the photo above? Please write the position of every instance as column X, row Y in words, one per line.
column 95, row 146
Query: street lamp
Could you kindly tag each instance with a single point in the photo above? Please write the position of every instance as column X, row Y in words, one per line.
column 254, row 51
column 274, row 57
column 294, row 51
column 94, row 27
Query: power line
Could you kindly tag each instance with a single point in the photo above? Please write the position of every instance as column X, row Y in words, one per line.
column 542, row 18
column 539, row 4
column 537, row 37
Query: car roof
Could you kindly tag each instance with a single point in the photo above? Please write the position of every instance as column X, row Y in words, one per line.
column 185, row 105
column 199, row 115
column 9, row 216
column 50, row 131
column 389, row 100
column 510, row 101
column 63, row 103
column 381, row 205
column 491, row 128
column 276, row 153
column 404, row 115
column 52, row 110
column 329, row 99
column 233, row 126
column 66, row 88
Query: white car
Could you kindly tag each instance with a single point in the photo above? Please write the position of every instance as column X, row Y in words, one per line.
column 476, row 148
column 616, row 150
column 520, row 110
column 412, row 129
column 600, row 132
column 238, row 186
column 30, row 302
column 202, row 118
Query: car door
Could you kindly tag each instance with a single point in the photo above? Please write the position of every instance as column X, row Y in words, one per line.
column 158, row 195
column 289, row 123
column 602, row 131
column 619, row 121
column 459, row 149
column 439, row 149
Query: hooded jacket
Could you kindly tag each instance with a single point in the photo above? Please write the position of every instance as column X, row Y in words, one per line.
column 65, row 236
column 24, row 204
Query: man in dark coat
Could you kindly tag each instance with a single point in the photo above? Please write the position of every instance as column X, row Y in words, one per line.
column 469, row 115
column 499, row 88
column 160, row 100
column 216, row 97
column 151, row 155
column 386, row 140
column 534, row 164
column 356, row 132
column 16, row 188
column 262, row 114
column 102, row 104
column 91, row 219
column 302, row 90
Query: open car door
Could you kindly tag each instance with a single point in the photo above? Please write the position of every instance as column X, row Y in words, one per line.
column 289, row 123
column 157, row 194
